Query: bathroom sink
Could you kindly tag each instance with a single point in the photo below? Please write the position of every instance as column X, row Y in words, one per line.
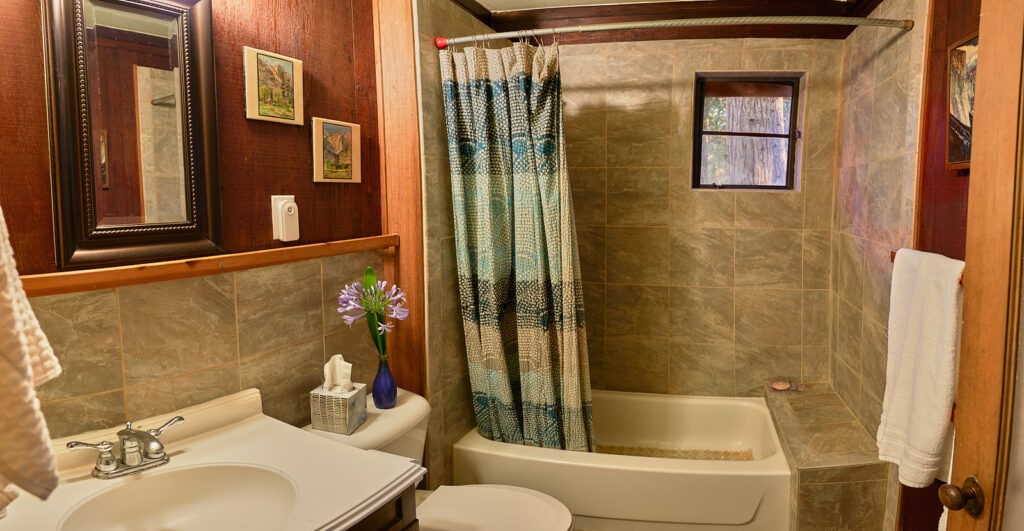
column 231, row 468
column 221, row 496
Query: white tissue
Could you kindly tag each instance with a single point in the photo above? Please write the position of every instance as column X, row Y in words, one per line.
column 338, row 374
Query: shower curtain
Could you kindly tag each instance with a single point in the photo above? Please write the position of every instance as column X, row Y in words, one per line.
column 518, row 265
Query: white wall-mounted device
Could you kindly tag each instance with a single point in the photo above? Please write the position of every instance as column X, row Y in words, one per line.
column 285, row 217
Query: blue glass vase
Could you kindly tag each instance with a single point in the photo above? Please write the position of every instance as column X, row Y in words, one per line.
column 385, row 391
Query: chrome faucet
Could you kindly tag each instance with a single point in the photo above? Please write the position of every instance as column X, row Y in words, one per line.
column 140, row 450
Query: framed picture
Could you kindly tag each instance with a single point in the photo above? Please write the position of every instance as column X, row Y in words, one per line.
column 273, row 87
column 335, row 151
column 963, row 63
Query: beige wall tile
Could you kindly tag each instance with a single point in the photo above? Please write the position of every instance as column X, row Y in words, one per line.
column 768, row 317
column 189, row 389
column 584, row 81
column 851, row 268
column 196, row 330
column 848, row 332
column 769, row 210
column 355, row 345
column 340, row 271
column 286, row 398
column 636, row 196
column 692, row 209
column 590, row 240
column 278, row 305
column 638, row 138
column 816, row 267
column 874, row 350
column 814, row 364
column 636, row 312
column 83, row 329
column 702, row 257
column 877, row 281
column 586, row 138
column 762, row 364
column 815, row 318
column 882, row 221
column 769, row 258
column 589, row 195
column 701, row 370
column 701, row 315
column 846, row 381
column 640, row 82
column 637, row 255
column 594, row 308
column 77, row 415
column 636, row 365
column 595, row 350
column 847, row 505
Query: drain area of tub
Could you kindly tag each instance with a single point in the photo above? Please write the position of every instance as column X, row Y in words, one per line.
column 678, row 453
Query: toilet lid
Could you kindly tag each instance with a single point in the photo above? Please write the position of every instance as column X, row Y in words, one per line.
column 492, row 508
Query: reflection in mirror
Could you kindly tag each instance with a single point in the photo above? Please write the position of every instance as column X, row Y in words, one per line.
column 134, row 135
column 140, row 171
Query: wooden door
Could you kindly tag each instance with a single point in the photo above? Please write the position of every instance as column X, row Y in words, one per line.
column 993, row 273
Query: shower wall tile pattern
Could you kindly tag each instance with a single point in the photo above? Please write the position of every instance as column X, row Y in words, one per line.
column 710, row 292
column 139, row 351
column 447, row 375
column 882, row 73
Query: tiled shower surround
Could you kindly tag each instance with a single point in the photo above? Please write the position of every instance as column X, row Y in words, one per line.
column 697, row 292
column 712, row 291
column 137, row 351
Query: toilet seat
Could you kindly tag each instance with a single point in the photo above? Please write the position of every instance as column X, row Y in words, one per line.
column 492, row 508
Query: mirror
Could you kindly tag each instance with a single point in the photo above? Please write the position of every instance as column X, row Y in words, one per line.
column 133, row 130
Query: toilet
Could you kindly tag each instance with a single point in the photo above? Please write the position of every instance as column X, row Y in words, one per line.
column 402, row 430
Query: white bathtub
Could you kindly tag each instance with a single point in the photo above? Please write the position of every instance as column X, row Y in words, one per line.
column 631, row 493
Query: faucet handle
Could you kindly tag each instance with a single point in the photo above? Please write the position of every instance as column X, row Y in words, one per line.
column 157, row 432
column 105, row 460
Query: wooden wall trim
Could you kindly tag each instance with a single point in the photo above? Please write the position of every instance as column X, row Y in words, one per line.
column 993, row 256
column 401, row 181
column 112, row 277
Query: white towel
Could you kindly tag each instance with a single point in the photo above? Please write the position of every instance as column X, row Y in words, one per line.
column 26, row 360
column 920, row 375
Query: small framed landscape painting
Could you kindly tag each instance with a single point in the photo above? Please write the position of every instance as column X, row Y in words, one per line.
column 335, row 151
column 273, row 87
column 963, row 65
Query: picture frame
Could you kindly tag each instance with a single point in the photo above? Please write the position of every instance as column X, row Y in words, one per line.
column 273, row 87
column 336, row 151
column 962, row 67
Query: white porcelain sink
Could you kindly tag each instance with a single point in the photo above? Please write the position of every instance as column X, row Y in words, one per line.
column 191, row 498
column 231, row 468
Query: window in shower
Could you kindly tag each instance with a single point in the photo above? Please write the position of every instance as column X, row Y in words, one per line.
column 745, row 131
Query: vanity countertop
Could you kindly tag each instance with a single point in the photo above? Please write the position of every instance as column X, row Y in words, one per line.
column 335, row 486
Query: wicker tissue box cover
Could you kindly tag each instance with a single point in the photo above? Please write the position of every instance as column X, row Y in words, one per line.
column 338, row 412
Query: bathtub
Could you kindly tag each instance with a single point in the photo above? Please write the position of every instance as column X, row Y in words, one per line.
column 637, row 493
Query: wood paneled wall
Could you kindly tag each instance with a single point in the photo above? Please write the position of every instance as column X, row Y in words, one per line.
column 942, row 192
column 257, row 159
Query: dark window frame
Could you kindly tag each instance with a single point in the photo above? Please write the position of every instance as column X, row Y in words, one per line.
column 793, row 136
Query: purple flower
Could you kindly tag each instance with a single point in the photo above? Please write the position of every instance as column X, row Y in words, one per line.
column 379, row 304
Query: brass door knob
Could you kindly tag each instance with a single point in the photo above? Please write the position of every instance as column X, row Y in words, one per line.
column 970, row 497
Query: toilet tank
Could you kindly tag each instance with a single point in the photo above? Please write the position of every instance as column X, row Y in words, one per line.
column 401, row 430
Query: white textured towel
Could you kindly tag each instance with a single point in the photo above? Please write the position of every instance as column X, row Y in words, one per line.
column 26, row 360
column 920, row 375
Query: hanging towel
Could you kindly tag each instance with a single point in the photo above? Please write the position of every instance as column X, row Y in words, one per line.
column 26, row 361
column 920, row 375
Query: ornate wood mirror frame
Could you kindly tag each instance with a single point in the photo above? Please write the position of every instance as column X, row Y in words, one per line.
column 86, row 235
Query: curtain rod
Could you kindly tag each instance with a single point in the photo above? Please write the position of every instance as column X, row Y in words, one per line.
column 905, row 24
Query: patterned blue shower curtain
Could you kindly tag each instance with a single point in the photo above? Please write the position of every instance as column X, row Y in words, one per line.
column 515, row 238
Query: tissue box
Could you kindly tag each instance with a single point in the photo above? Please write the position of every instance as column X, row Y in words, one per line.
column 338, row 412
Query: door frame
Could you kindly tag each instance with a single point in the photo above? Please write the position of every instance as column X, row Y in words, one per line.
column 992, row 276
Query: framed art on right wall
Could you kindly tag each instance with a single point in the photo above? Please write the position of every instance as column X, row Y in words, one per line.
column 335, row 151
column 963, row 63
